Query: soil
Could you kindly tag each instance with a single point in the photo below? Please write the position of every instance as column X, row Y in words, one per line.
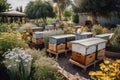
column 109, row 48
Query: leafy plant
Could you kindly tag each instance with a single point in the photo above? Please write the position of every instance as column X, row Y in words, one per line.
column 10, row 41
column 8, row 27
column 115, row 40
column 110, row 70
column 97, row 29
column 75, row 18
column 18, row 64
column 43, row 68
column 84, row 29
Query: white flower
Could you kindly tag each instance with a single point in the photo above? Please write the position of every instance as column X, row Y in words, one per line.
column 9, row 66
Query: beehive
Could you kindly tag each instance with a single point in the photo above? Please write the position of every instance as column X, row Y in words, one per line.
column 38, row 34
column 59, row 39
column 85, row 60
column 103, row 36
column 37, row 40
column 86, row 47
column 83, row 35
column 35, row 29
column 49, row 27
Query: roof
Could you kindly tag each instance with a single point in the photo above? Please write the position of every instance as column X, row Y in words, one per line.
column 12, row 13
column 103, row 35
column 63, row 36
column 89, row 42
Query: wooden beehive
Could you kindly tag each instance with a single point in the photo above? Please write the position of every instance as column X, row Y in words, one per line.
column 56, row 48
column 37, row 40
column 62, row 39
column 49, row 27
column 85, row 60
column 87, row 46
column 100, row 54
column 104, row 36
column 35, row 29
column 83, row 35
column 38, row 35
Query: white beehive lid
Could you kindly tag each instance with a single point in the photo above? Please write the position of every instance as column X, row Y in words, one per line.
column 63, row 36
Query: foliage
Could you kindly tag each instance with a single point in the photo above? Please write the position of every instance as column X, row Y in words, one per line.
column 97, row 7
column 75, row 18
column 67, row 13
column 8, row 27
column 97, row 29
column 39, row 9
column 84, row 29
column 4, row 5
column 105, row 30
column 44, row 68
column 18, row 64
column 115, row 41
column 10, row 41
column 60, row 6
column 109, row 71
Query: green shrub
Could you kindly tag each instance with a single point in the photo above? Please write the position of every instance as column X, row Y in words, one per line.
column 44, row 68
column 115, row 40
column 75, row 18
column 97, row 29
column 8, row 27
column 10, row 41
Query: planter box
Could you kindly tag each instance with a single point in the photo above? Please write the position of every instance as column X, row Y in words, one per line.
column 38, row 34
column 110, row 54
column 37, row 40
column 85, row 60
column 56, row 48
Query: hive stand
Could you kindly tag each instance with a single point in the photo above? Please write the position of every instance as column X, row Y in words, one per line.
column 57, row 53
column 86, row 66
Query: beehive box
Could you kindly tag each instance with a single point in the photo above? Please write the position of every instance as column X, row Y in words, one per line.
column 100, row 54
column 85, row 60
column 55, row 47
column 62, row 39
column 49, row 27
column 103, row 36
column 38, row 35
column 83, row 35
column 87, row 46
column 37, row 40
column 35, row 29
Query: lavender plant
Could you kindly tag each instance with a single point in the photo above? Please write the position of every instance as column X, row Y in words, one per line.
column 18, row 63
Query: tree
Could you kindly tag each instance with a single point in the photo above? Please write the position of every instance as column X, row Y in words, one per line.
column 75, row 18
column 96, row 8
column 17, row 9
column 61, row 6
column 4, row 5
column 21, row 9
column 39, row 9
column 67, row 13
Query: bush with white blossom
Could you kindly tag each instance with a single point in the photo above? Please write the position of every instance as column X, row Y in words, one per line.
column 18, row 63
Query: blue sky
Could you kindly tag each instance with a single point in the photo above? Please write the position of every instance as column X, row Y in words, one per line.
column 15, row 3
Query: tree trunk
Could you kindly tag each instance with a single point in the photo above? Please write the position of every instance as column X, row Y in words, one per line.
column 94, row 18
column 44, row 20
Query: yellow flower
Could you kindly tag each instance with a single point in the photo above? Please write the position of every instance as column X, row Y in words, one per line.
column 92, row 73
column 106, row 69
column 27, row 33
column 98, row 73
column 118, row 61
column 102, row 65
column 112, row 74
column 106, row 61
